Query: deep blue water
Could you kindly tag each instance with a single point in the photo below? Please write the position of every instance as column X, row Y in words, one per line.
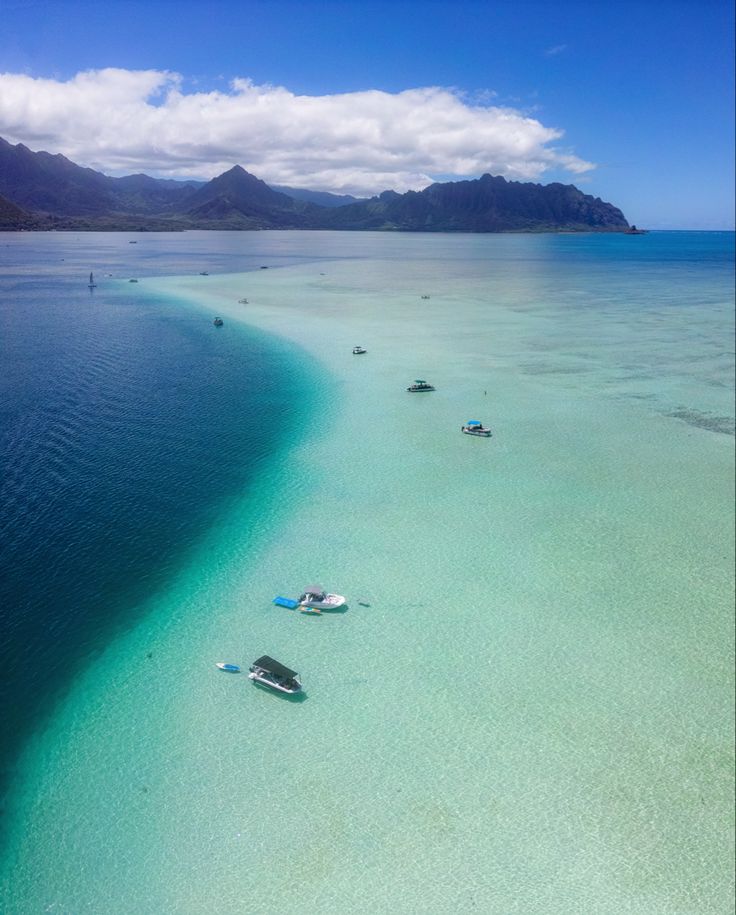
column 126, row 425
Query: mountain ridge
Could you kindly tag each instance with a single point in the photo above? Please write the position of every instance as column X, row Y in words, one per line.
column 52, row 192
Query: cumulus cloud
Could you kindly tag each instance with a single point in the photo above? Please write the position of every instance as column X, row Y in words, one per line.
column 122, row 121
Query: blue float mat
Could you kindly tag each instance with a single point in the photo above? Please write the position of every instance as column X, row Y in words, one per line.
column 286, row 602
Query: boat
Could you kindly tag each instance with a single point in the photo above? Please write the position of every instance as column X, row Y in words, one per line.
column 420, row 385
column 358, row 351
column 316, row 598
column 425, row 296
column 203, row 273
column 92, row 284
column 132, row 281
column 473, row 427
column 132, row 242
column 230, row 668
column 242, row 301
column 218, row 322
column 274, row 675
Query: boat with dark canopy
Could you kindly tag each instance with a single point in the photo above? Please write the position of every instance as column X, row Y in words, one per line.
column 275, row 675
column 420, row 385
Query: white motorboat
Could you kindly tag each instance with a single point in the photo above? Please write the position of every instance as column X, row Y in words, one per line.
column 474, row 427
column 358, row 351
column 274, row 675
column 316, row 598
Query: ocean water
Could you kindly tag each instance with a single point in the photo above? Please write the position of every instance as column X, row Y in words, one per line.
column 528, row 705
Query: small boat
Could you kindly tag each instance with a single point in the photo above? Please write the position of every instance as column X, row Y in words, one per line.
column 275, row 675
column 132, row 281
column 264, row 267
column 420, row 385
column 218, row 322
column 473, row 427
column 203, row 273
column 316, row 598
column 132, row 242
column 230, row 668
column 92, row 284
column 358, row 351
column 242, row 301
column 425, row 296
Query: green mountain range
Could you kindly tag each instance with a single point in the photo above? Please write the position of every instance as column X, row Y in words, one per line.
column 40, row 191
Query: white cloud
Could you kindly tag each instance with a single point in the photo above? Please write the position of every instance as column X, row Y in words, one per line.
column 122, row 121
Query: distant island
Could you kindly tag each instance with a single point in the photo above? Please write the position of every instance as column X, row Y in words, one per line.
column 44, row 192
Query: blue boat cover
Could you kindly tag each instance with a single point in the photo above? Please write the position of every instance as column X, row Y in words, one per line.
column 286, row 602
column 473, row 422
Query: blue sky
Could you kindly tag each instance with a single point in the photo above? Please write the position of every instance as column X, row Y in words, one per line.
column 536, row 91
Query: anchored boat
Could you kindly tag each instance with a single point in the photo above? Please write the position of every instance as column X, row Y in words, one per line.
column 474, row 427
column 420, row 385
column 316, row 598
column 275, row 675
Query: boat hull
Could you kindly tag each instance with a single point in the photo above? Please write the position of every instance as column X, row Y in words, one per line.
column 331, row 602
column 280, row 687
column 480, row 433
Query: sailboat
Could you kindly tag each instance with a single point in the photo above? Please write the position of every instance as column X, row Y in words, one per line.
column 92, row 283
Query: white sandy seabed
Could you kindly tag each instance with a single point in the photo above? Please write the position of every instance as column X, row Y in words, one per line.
column 525, row 707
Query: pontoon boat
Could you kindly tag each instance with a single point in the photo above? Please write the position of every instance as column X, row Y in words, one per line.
column 273, row 674
column 473, row 427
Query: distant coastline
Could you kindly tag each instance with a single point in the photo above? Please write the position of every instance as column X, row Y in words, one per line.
column 40, row 191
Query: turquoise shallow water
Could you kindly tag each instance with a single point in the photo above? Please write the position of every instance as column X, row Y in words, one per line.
column 534, row 712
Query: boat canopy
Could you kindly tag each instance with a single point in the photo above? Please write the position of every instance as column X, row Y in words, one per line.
column 473, row 422
column 419, row 381
column 314, row 589
column 275, row 667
